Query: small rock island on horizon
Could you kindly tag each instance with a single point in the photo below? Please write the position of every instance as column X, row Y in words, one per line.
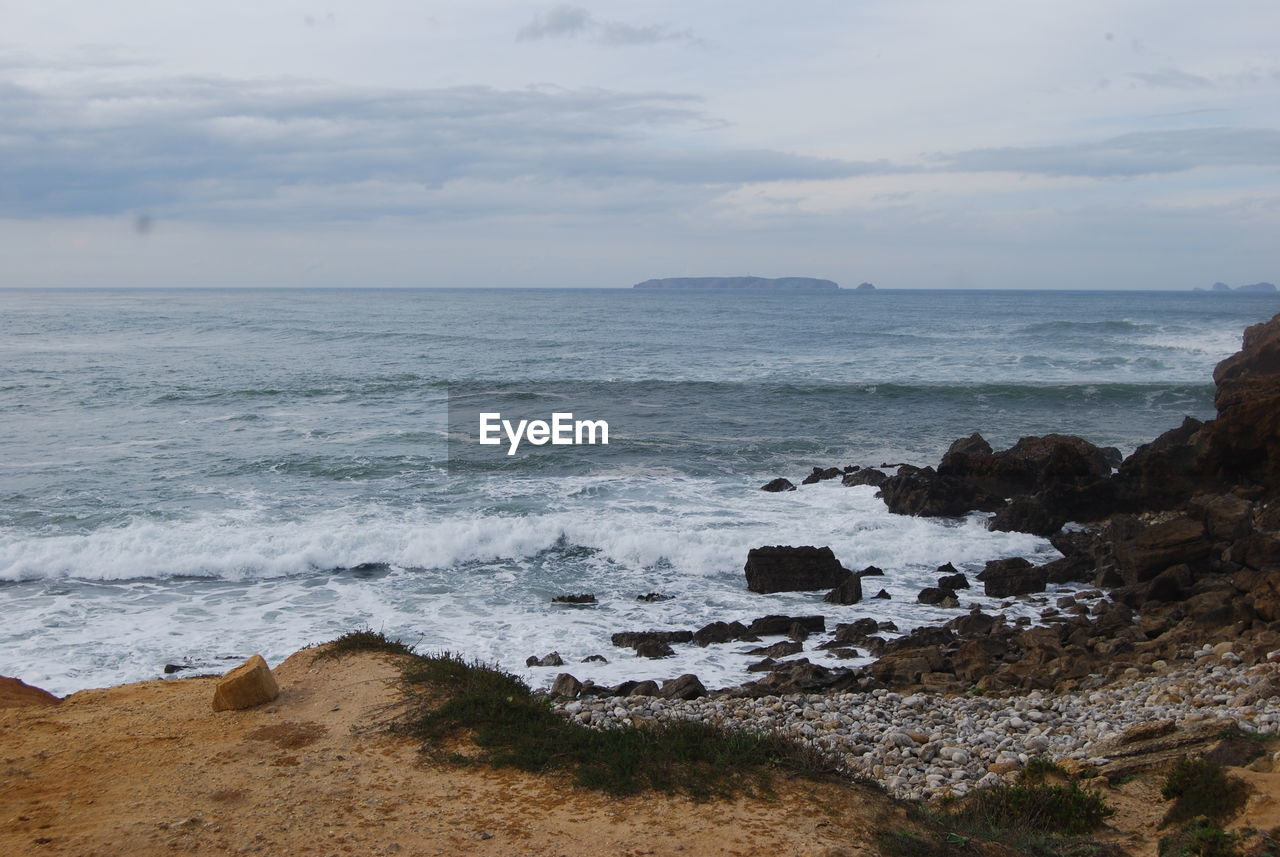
column 783, row 284
column 1251, row 287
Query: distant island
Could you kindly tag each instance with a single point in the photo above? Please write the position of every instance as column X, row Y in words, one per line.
column 865, row 287
column 780, row 284
column 1251, row 287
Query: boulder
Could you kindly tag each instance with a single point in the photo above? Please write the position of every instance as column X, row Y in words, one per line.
column 552, row 659
column 566, row 686
column 953, row 581
column 248, row 685
column 924, row 492
column 686, row 686
column 935, row 595
column 883, row 594
column 871, row 571
column 654, row 649
column 868, row 476
column 631, row 639
column 1243, row 443
column 849, row 592
column 777, row 485
column 15, row 693
column 580, row 598
column 821, row 474
column 719, row 632
column 778, row 650
column 793, row 569
column 1002, row 578
column 643, row 688
column 768, row 626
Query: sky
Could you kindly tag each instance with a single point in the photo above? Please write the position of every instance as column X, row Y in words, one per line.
column 395, row 143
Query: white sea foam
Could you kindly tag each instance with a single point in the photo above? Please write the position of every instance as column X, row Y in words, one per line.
column 98, row 608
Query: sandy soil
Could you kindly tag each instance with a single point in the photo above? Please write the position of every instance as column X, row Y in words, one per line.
column 149, row 769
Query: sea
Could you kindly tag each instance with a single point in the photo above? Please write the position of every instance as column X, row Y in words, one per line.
column 188, row 477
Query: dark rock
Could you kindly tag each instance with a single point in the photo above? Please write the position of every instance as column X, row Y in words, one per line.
column 856, row 631
column 1028, row 514
column 1068, row 569
column 170, row 669
column 935, row 595
column 779, row 484
column 583, row 598
column 800, row 676
column 923, row 637
column 719, row 632
column 768, row 626
column 871, row 571
column 798, row 632
column 1113, row 456
column 763, row 666
column 953, row 581
column 566, row 686
column 549, row 660
column 1226, row 517
column 1172, row 584
column 1165, row 472
column 654, row 649
column 623, row 689
column 644, row 688
column 974, row 444
column 821, row 474
column 972, row 625
column 869, row 476
column 793, row 569
column 926, row 493
column 849, row 592
column 686, row 686
column 631, row 639
column 886, row 626
column 948, row 568
column 1178, row 540
column 777, row 650
column 1031, row 465
column 595, row 659
column 654, row 596
column 883, row 594
column 1003, row 578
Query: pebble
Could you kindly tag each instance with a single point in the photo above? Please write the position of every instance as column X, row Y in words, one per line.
column 928, row 745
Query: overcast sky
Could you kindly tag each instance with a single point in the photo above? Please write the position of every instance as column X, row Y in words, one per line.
column 912, row 143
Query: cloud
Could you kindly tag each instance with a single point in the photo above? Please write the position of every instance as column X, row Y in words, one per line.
column 566, row 21
column 1172, row 78
column 1136, row 154
column 204, row 147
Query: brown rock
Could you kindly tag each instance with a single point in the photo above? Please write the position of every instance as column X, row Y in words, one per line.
column 246, row 686
column 782, row 568
column 15, row 693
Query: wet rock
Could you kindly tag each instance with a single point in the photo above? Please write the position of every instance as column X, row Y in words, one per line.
column 924, row 492
column 883, row 594
column 644, row 688
column 868, row 476
column 953, row 581
column 972, row 625
column 777, row 650
column 631, row 639
column 552, row 659
column 935, row 595
column 798, row 632
column 849, row 592
column 719, row 632
column 582, row 598
column 595, row 659
column 654, row 596
column 777, row 485
column 793, row 569
column 654, row 649
column 1003, row 578
column 773, row 625
column 821, row 474
column 871, row 571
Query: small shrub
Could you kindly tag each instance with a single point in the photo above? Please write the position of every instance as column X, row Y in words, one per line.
column 1199, row 787
column 1050, row 809
column 1199, row 838
column 364, row 640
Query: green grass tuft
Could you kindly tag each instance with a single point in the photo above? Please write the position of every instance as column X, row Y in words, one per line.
column 512, row 727
column 1199, row 838
column 1199, row 787
column 364, row 640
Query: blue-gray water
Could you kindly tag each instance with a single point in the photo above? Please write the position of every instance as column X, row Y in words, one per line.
column 188, row 474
